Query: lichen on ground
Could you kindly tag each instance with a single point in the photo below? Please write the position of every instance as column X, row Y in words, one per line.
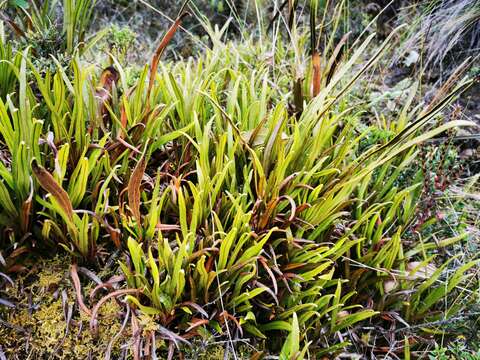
column 47, row 323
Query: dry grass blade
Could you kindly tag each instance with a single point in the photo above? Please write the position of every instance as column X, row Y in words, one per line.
column 48, row 183
column 313, row 45
column 128, row 146
column 167, row 227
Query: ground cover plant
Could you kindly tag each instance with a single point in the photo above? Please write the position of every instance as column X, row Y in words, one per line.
column 232, row 204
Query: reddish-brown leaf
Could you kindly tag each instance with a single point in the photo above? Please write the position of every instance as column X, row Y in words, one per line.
column 163, row 44
column 110, row 284
column 108, row 78
column 317, row 77
column 167, row 227
column 26, row 209
column 224, row 315
column 104, row 91
column 263, row 261
column 123, row 121
column 196, row 323
column 202, row 252
column 93, row 318
column 17, row 268
column 18, row 251
column 49, row 184
column 78, row 290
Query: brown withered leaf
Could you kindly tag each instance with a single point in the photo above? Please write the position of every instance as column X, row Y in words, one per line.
column 451, row 82
column 163, row 44
column 134, row 188
column 49, row 184
column 292, row 6
column 317, row 77
column 96, row 308
column 78, row 290
column 167, row 227
column 17, row 268
column 298, row 96
column 18, row 251
column 224, row 315
column 108, row 78
column 123, row 120
column 196, row 323
column 26, row 209
column 136, row 338
column 103, row 92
